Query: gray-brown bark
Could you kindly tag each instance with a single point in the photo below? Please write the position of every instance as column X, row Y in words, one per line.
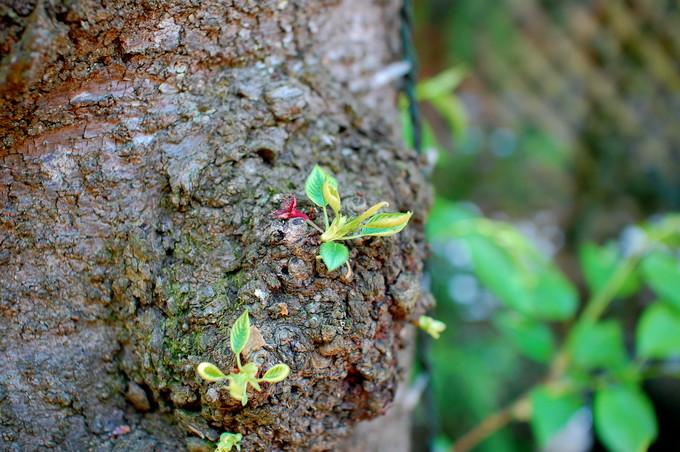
column 144, row 147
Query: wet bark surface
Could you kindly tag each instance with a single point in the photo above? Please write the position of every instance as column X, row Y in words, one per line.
column 144, row 148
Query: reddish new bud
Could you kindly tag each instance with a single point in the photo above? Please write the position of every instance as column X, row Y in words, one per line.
column 290, row 210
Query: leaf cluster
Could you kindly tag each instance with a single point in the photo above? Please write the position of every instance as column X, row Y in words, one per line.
column 592, row 362
column 322, row 189
column 227, row 441
column 247, row 373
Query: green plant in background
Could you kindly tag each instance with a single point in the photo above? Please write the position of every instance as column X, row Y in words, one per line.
column 227, row 441
column 322, row 189
column 592, row 357
column 246, row 375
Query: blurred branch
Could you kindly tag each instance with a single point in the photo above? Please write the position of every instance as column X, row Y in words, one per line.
column 519, row 410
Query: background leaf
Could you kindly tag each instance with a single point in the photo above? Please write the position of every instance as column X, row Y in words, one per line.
column 520, row 277
column 598, row 346
column 624, row 419
column 661, row 271
column 658, row 333
column 240, row 333
column 554, row 296
column 314, row 185
column 551, row 412
column 534, row 339
column 334, row 255
column 599, row 264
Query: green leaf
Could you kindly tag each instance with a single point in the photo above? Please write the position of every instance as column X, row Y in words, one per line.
column 599, row 345
column 534, row 339
column 658, row 333
column 240, row 333
column 624, row 419
column 238, row 383
column 331, row 196
column 386, row 224
column 498, row 273
column 444, row 214
column 443, row 83
column 599, row 264
column 519, row 275
column 334, row 255
column 354, row 222
column 314, row 185
column 277, row 373
column 227, row 441
column 665, row 230
column 210, row 372
column 662, row 272
column 551, row 411
column 555, row 297
column 250, row 370
column 453, row 110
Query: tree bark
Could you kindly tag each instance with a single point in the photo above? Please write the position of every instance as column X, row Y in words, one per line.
column 144, row 147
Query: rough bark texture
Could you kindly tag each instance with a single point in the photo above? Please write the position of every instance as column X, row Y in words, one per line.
column 144, row 147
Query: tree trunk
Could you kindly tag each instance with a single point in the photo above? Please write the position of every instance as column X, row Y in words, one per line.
column 144, row 147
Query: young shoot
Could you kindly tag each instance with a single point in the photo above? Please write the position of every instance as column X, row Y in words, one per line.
column 322, row 189
column 227, row 441
column 431, row 326
column 246, row 375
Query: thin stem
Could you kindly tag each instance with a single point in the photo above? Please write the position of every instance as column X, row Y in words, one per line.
column 325, row 217
column 488, row 426
column 350, row 237
column 349, row 270
column 600, row 301
column 314, row 225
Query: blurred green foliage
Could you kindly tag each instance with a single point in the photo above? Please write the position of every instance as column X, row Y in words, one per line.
column 559, row 121
column 532, row 311
column 590, row 358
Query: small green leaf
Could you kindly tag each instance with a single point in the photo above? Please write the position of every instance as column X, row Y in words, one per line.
column 444, row 214
column 599, row 264
column 551, row 411
column 334, row 255
column 555, row 297
column 598, row 346
column 314, row 185
column 238, row 384
column 250, row 370
column 497, row 271
column 431, row 326
column 662, row 272
column 624, row 419
column 371, row 211
column 331, row 195
column 534, row 339
column 255, row 384
column 210, row 372
column 277, row 373
column 386, row 224
column 227, row 441
column 240, row 333
column 658, row 333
